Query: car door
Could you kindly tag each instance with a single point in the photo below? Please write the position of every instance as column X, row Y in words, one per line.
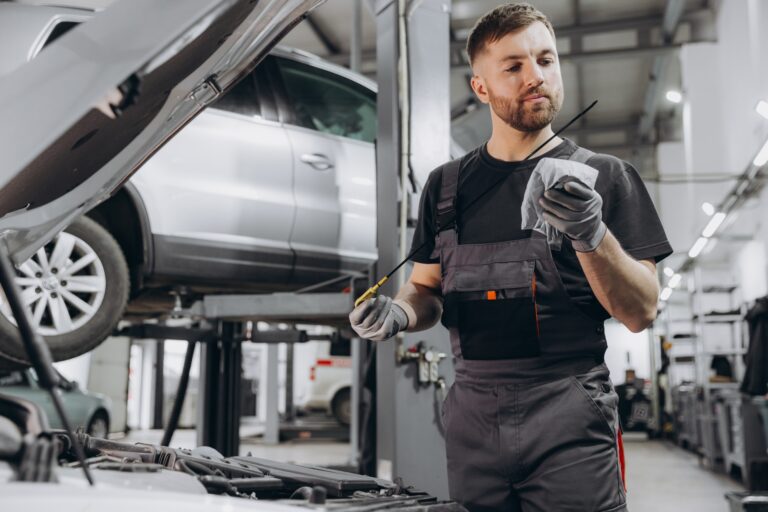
column 219, row 195
column 76, row 403
column 331, row 126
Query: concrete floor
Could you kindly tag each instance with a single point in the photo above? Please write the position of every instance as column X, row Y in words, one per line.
column 664, row 478
column 660, row 476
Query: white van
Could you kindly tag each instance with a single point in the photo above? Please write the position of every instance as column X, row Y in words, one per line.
column 330, row 380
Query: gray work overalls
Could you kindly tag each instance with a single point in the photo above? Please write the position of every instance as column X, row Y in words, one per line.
column 531, row 420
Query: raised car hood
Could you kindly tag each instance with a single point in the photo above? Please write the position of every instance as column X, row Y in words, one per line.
column 80, row 118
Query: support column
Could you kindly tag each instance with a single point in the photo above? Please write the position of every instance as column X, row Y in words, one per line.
column 222, row 370
column 272, row 422
column 408, row 438
column 159, row 391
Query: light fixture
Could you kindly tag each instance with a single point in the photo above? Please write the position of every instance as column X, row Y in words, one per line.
column 674, row 281
column 674, row 96
column 708, row 208
column 762, row 108
column 665, row 293
column 668, row 272
column 713, row 224
column 697, row 247
column 762, row 156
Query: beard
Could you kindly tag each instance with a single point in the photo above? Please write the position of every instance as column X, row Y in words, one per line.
column 527, row 117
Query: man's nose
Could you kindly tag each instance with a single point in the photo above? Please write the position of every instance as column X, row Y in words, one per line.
column 534, row 77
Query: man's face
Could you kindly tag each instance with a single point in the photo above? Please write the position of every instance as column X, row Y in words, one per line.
column 519, row 76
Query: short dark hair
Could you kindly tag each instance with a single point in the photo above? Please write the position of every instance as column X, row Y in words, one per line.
column 501, row 21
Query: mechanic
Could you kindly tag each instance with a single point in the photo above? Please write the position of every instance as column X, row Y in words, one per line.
column 531, row 421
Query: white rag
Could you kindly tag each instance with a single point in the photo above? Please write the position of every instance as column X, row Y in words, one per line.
column 548, row 173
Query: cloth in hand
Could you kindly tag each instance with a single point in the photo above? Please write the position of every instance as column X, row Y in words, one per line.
column 548, row 173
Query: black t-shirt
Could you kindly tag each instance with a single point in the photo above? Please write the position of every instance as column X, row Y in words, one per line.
column 627, row 211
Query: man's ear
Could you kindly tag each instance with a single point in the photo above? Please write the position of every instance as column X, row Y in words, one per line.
column 478, row 86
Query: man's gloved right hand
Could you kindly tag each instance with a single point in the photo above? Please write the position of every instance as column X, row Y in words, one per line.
column 378, row 319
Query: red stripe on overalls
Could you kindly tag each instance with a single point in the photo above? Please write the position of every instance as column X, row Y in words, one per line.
column 535, row 306
column 622, row 461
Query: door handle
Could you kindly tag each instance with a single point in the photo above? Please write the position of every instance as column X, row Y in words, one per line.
column 317, row 161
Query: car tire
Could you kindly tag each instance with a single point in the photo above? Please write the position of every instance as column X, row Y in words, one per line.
column 98, row 426
column 99, row 282
column 342, row 407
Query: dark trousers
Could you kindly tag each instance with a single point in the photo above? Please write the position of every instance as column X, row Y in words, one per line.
column 536, row 445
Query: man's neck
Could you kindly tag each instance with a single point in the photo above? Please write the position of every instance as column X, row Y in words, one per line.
column 510, row 145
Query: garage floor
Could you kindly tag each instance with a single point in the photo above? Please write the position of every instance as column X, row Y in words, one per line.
column 660, row 476
column 664, row 478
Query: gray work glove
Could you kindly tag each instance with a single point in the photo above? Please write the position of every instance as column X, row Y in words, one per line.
column 378, row 319
column 575, row 210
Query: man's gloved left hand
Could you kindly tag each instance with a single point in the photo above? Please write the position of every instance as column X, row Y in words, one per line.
column 378, row 319
column 575, row 210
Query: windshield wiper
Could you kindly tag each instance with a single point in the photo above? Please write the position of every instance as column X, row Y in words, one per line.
column 37, row 351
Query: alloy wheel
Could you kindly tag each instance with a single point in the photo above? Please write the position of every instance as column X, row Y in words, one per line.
column 63, row 284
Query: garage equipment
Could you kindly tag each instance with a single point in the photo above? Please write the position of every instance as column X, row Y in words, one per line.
column 371, row 292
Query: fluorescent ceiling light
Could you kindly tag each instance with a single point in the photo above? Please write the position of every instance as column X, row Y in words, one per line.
column 674, row 96
column 697, row 247
column 708, row 208
column 668, row 272
column 762, row 156
column 674, row 281
column 665, row 293
column 762, row 108
column 713, row 224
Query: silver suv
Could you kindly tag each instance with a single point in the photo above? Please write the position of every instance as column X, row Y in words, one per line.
column 270, row 188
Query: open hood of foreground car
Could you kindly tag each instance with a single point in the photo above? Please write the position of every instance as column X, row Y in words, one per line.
column 81, row 117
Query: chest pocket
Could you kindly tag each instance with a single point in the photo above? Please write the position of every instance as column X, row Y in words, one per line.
column 493, row 306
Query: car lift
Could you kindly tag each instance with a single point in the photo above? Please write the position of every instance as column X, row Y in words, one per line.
column 224, row 320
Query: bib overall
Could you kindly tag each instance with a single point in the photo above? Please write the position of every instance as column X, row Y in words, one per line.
column 531, row 420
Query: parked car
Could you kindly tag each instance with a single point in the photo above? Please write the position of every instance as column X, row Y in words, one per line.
column 86, row 410
column 271, row 188
column 330, row 381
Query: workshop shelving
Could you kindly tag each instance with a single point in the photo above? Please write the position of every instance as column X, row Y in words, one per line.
column 718, row 333
column 707, row 407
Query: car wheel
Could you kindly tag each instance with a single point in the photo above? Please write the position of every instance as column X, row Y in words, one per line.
column 99, row 425
column 342, row 407
column 76, row 287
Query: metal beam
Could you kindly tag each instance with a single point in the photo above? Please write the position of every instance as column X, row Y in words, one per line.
column 620, row 53
column 590, row 29
column 672, row 15
column 600, row 55
column 331, row 46
column 356, row 38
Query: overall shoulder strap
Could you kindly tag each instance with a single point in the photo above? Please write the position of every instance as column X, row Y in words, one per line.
column 581, row 155
column 446, row 204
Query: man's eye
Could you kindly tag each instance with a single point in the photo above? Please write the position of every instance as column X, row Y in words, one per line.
column 546, row 62
column 514, row 69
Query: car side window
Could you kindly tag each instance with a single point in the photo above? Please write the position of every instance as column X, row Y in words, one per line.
column 242, row 99
column 329, row 103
